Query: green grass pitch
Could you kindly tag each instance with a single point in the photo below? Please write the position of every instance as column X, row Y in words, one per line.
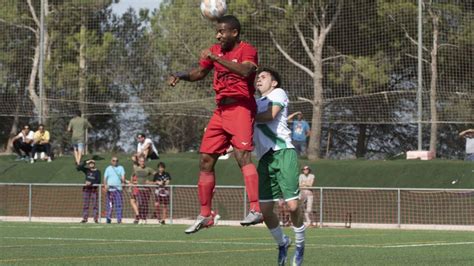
column 91, row 244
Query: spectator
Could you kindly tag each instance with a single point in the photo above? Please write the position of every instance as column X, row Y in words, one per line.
column 300, row 132
column 306, row 182
column 78, row 126
column 133, row 190
column 145, row 148
column 89, row 191
column 162, row 194
column 41, row 143
column 22, row 143
column 114, row 177
column 469, row 136
column 144, row 177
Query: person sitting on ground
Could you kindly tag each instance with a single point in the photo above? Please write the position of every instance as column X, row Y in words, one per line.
column 145, row 149
column 22, row 143
column 469, row 136
column 41, row 143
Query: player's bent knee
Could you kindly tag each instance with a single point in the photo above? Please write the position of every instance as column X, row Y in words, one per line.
column 293, row 206
column 243, row 157
column 207, row 161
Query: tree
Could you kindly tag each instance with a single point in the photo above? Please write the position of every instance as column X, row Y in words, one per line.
column 441, row 27
column 363, row 75
column 311, row 21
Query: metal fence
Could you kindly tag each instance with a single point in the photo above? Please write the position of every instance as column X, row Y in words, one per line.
column 338, row 207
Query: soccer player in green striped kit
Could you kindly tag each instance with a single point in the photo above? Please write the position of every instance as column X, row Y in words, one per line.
column 278, row 167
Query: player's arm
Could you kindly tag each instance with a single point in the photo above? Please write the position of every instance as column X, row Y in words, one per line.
column 192, row 75
column 244, row 69
column 270, row 114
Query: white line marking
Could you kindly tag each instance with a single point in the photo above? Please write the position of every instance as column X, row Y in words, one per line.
column 403, row 245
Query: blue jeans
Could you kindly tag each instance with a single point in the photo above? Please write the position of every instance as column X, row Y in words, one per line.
column 300, row 147
column 114, row 200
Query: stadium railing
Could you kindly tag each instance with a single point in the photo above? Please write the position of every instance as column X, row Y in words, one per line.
column 405, row 208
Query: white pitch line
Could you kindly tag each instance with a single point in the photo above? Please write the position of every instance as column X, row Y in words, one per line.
column 404, row 245
column 429, row 244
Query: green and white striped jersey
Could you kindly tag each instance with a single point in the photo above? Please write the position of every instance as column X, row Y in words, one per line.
column 274, row 134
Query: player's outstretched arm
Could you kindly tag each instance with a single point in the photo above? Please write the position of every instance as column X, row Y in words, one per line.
column 193, row 75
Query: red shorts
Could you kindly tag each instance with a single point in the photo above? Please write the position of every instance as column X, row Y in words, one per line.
column 230, row 124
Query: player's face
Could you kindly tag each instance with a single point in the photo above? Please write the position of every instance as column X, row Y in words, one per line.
column 161, row 169
column 226, row 36
column 141, row 162
column 264, row 82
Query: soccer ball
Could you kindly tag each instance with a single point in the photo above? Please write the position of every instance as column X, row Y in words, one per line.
column 213, row 9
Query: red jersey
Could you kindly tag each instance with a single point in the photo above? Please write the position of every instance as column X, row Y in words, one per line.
column 227, row 83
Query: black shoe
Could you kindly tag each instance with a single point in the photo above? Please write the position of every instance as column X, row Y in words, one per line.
column 96, row 221
column 162, row 222
column 136, row 221
column 108, row 221
column 83, row 221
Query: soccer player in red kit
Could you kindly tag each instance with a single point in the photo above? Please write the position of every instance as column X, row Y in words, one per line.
column 234, row 63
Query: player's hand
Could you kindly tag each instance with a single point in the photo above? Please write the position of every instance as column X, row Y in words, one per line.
column 207, row 54
column 172, row 80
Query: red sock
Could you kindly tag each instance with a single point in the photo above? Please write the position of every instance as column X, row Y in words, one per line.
column 251, row 185
column 206, row 184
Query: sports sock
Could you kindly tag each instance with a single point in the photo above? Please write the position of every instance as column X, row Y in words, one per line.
column 251, row 185
column 278, row 235
column 206, row 184
column 299, row 235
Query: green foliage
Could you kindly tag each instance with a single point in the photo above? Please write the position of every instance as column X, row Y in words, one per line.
column 363, row 74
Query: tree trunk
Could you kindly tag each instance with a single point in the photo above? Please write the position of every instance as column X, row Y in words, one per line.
column 14, row 128
column 32, row 81
column 314, row 147
column 36, row 58
column 47, row 57
column 361, row 148
column 82, row 69
column 433, row 84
